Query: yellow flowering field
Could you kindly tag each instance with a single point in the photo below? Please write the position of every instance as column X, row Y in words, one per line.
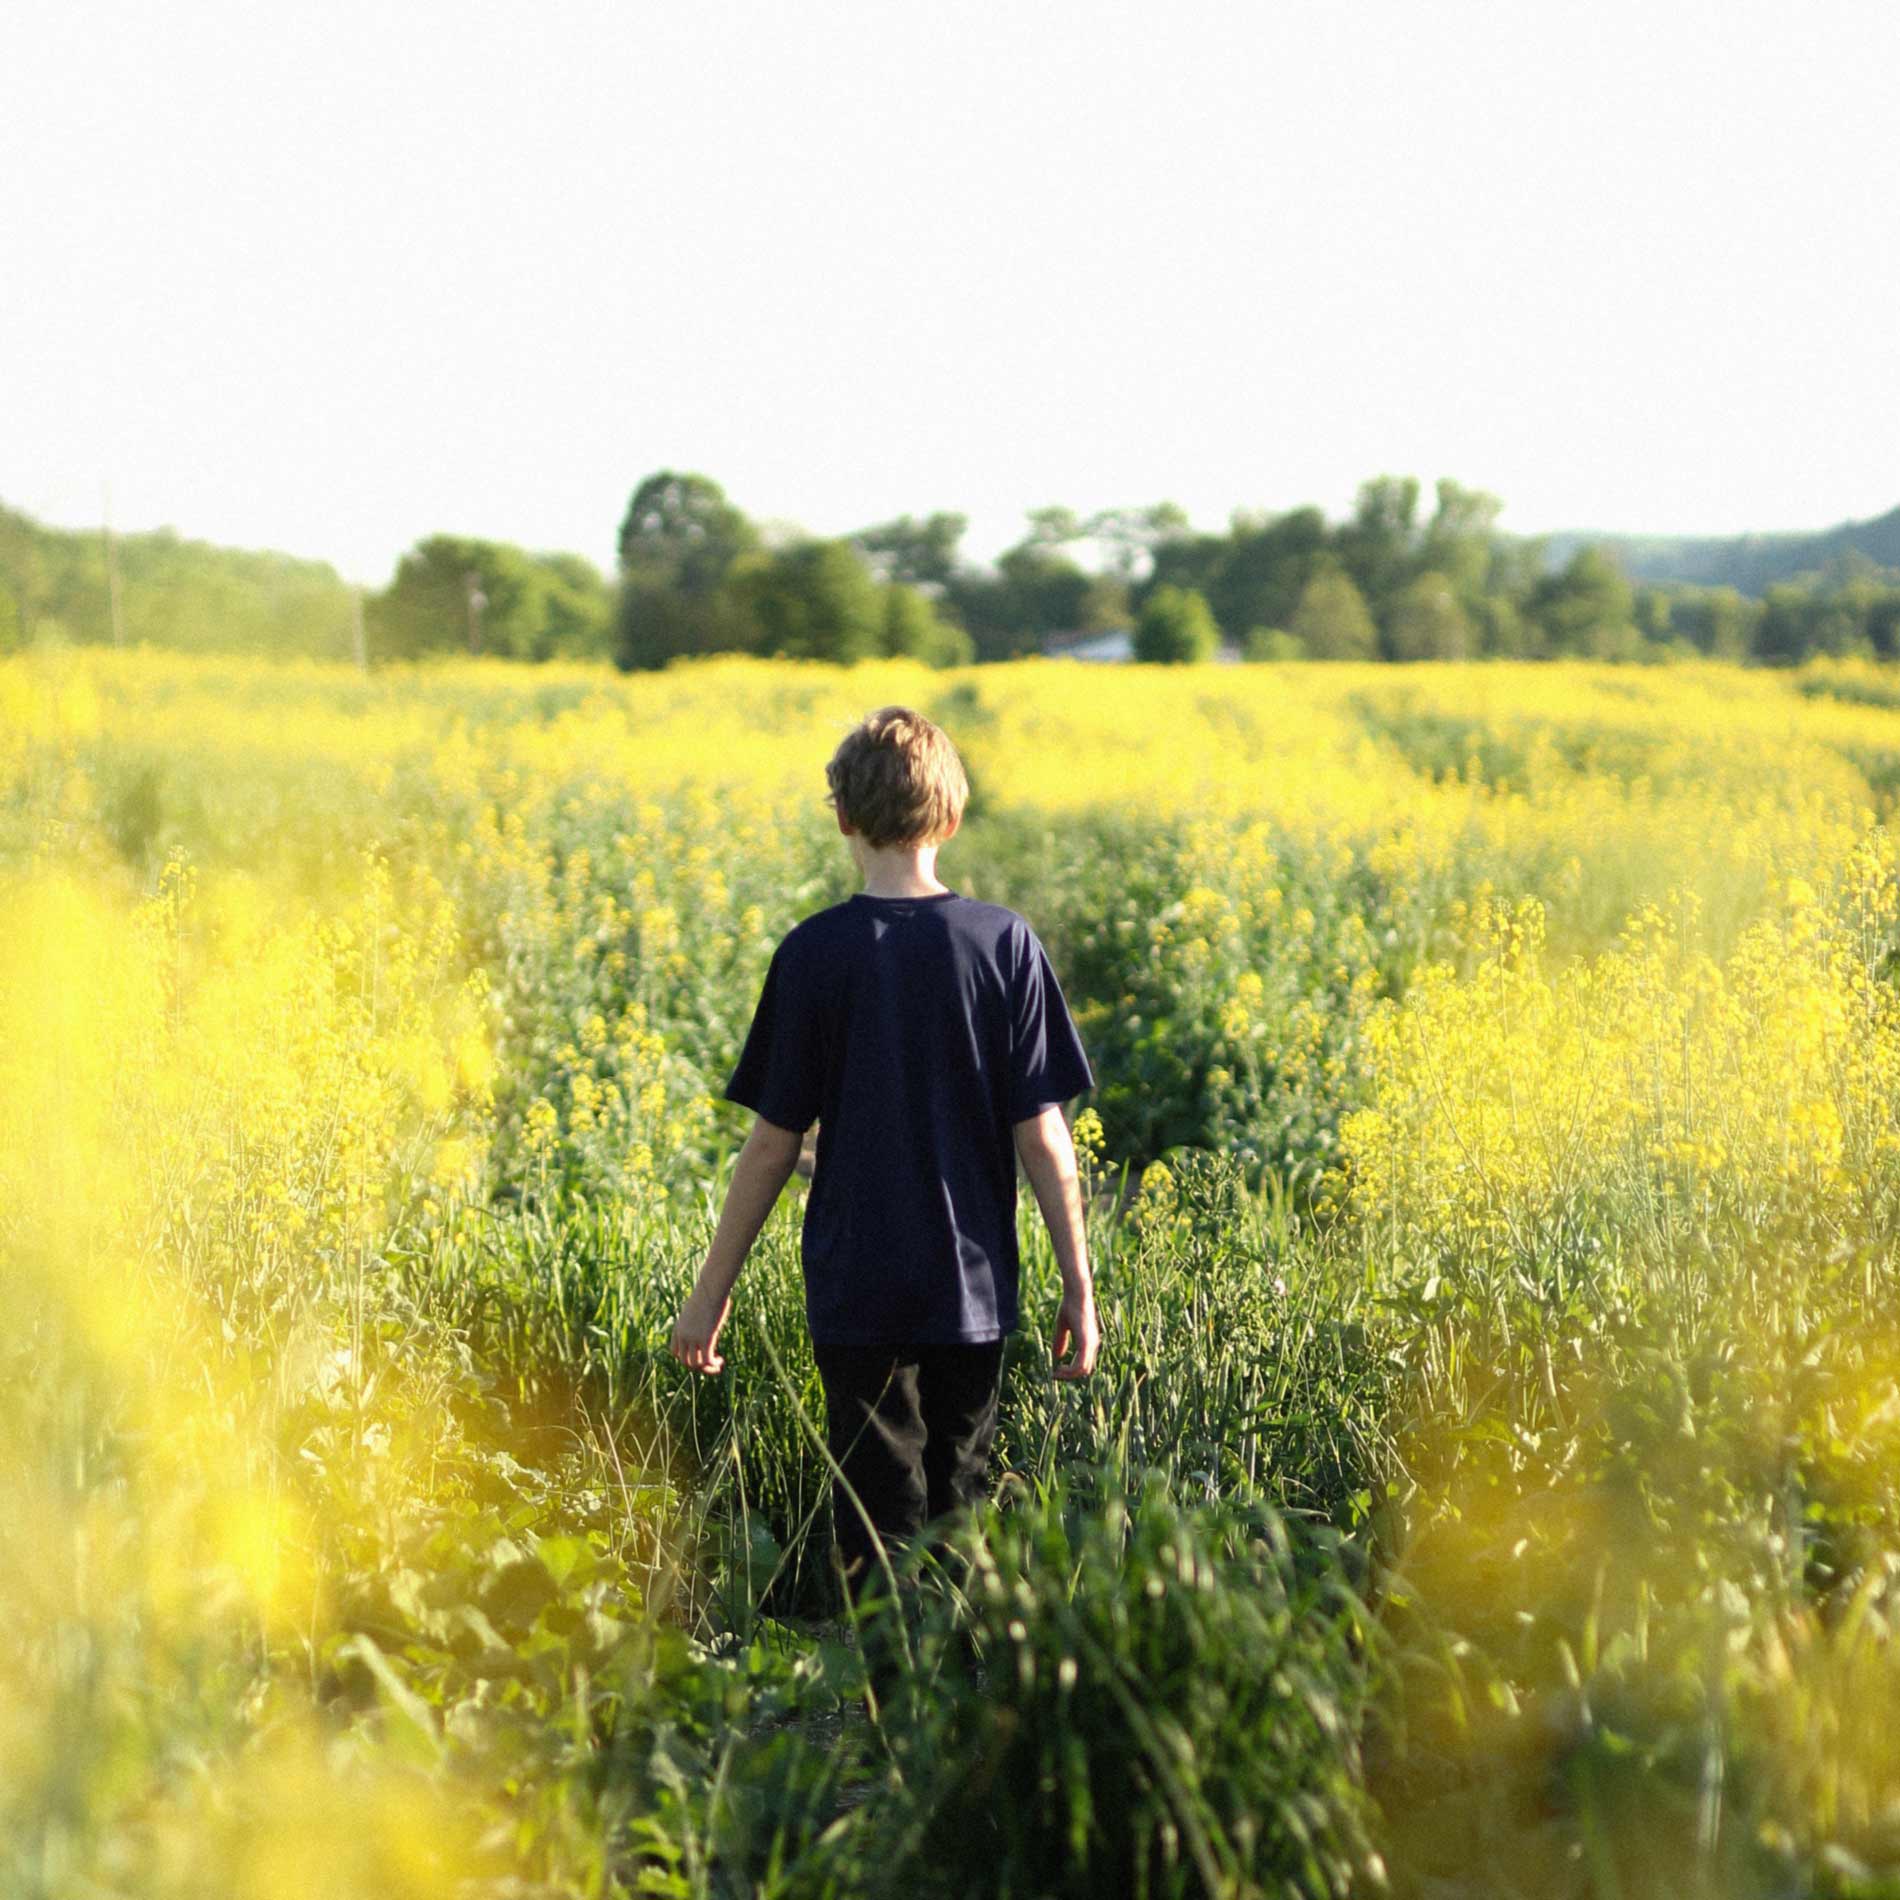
column 1496, row 1167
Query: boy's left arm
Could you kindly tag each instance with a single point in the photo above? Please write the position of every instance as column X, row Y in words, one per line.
column 759, row 1175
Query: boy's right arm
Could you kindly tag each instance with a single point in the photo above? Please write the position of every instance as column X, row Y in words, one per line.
column 1047, row 1152
column 760, row 1173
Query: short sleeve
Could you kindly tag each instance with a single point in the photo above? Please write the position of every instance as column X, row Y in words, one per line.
column 781, row 1068
column 1047, row 1064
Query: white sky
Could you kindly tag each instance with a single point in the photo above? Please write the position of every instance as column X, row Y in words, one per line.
column 333, row 278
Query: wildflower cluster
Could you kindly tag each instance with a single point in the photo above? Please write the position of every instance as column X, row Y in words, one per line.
column 1649, row 1091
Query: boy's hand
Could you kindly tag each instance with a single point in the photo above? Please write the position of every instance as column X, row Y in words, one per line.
column 1077, row 1336
column 762, row 1169
column 696, row 1333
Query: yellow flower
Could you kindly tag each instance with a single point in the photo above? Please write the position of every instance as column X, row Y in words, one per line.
column 474, row 1063
column 541, row 1127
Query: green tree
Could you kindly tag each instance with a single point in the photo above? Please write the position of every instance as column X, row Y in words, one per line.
column 1105, row 605
column 1427, row 621
column 1271, row 646
column 682, row 549
column 452, row 593
column 1192, row 560
column 1175, row 628
column 1883, row 623
column 1263, row 569
column 1043, row 591
column 1838, row 617
column 818, row 600
column 1781, row 632
column 914, row 628
column 915, row 553
column 1036, row 589
column 1376, row 547
column 1132, row 534
column 25, row 561
column 1586, row 608
column 1718, row 621
column 1652, row 609
column 681, row 529
column 577, row 608
column 1332, row 621
column 1460, row 537
column 1054, row 527
column 1505, row 630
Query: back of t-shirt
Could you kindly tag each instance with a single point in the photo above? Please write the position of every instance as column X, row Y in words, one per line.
column 917, row 1031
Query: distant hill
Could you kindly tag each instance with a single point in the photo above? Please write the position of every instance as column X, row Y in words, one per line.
column 1748, row 562
column 193, row 596
column 189, row 595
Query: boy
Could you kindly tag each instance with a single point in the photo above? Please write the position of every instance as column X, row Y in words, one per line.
column 927, row 1035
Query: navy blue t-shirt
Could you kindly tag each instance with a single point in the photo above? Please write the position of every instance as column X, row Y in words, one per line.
column 917, row 1031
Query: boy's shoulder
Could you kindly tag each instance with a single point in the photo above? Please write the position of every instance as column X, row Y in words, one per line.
column 853, row 918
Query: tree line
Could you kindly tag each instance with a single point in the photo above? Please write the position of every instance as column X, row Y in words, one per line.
column 1393, row 581
column 1397, row 579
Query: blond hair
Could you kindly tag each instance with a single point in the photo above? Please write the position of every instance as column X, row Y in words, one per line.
column 896, row 778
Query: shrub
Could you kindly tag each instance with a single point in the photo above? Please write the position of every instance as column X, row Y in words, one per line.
column 1175, row 628
column 1272, row 645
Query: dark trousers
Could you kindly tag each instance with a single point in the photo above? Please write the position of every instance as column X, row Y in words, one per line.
column 911, row 1428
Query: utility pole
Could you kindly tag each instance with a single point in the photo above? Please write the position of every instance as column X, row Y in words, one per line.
column 112, row 572
column 359, row 641
column 477, row 600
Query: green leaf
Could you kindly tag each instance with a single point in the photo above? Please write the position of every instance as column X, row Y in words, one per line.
column 409, row 1724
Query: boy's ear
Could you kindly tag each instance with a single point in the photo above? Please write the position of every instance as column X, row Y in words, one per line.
column 844, row 823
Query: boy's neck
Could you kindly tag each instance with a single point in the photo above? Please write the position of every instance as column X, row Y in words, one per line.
column 900, row 871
